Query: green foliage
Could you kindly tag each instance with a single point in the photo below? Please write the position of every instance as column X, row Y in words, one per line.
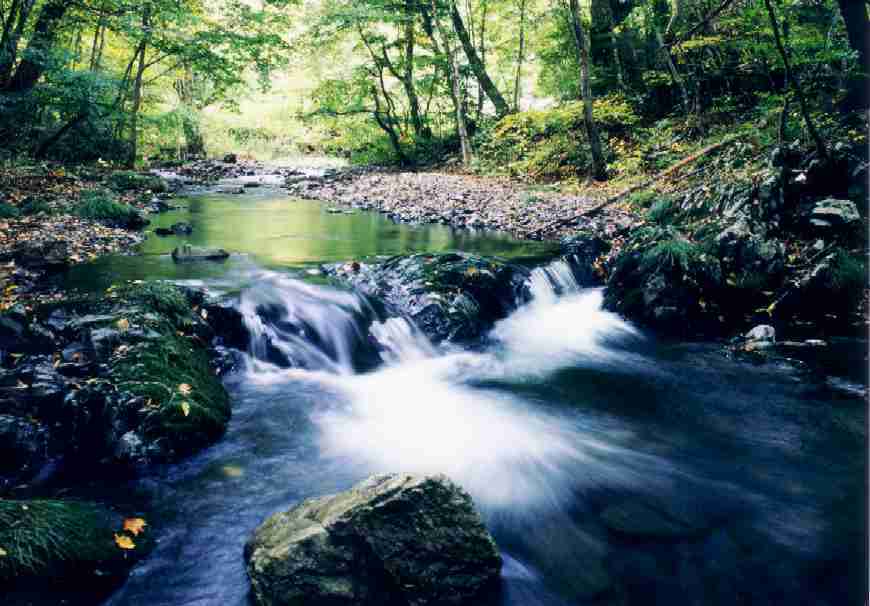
column 7, row 211
column 100, row 205
column 643, row 198
column 127, row 180
column 47, row 539
column 670, row 255
column 663, row 211
column 847, row 275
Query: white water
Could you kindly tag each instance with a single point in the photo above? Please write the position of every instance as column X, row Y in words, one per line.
column 424, row 410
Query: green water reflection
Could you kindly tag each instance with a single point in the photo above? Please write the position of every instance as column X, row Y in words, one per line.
column 269, row 229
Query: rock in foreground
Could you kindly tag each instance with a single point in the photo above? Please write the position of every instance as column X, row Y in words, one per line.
column 392, row 539
column 453, row 296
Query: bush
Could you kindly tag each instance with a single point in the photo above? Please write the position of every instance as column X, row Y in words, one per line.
column 670, row 255
column 127, row 180
column 37, row 206
column 7, row 211
column 663, row 211
column 99, row 205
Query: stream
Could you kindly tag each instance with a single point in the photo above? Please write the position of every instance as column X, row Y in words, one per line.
column 611, row 467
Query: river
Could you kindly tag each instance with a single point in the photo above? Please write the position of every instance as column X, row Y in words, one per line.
column 611, row 467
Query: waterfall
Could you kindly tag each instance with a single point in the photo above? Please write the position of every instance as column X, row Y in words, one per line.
column 546, row 284
column 401, row 341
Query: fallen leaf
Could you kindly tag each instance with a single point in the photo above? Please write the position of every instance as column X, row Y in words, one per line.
column 185, row 389
column 204, row 314
column 3, row 553
column 185, row 408
column 123, row 324
column 124, row 542
column 135, row 525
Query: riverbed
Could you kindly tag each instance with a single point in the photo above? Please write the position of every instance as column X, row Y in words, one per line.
column 611, row 467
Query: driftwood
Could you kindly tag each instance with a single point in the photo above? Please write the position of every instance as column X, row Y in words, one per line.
column 630, row 190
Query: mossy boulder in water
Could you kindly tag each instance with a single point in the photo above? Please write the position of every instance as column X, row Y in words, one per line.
column 453, row 296
column 393, row 539
column 122, row 379
column 64, row 543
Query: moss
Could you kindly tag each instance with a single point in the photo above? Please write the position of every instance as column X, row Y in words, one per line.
column 37, row 206
column 99, row 205
column 130, row 180
column 642, row 199
column 663, row 211
column 52, row 539
column 7, row 211
column 670, row 255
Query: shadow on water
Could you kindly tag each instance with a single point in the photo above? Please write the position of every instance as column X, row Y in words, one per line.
column 612, row 468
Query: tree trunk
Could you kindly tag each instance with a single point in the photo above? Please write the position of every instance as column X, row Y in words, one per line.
column 46, row 145
column 387, row 127
column 420, row 128
column 96, row 47
column 854, row 14
column 42, row 40
column 481, row 94
column 791, row 79
column 492, row 92
column 599, row 167
column 521, row 56
column 13, row 29
column 455, row 89
column 137, row 89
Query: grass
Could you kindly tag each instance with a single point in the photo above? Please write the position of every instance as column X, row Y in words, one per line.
column 670, row 255
column 99, row 205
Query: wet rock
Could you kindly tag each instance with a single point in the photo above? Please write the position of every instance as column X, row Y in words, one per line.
column 231, row 189
column 831, row 214
column 24, row 449
column 582, row 251
column 231, row 159
column 177, row 229
column 188, row 253
column 762, row 333
column 453, row 296
column 50, row 255
column 393, row 539
column 49, row 543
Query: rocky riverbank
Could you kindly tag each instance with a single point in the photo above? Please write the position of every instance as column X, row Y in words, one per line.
column 462, row 201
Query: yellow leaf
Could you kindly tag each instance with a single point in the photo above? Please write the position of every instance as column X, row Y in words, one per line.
column 3, row 553
column 123, row 324
column 135, row 525
column 124, row 542
column 185, row 408
column 204, row 314
column 185, row 389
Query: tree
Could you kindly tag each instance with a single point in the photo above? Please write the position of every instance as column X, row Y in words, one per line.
column 599, row 166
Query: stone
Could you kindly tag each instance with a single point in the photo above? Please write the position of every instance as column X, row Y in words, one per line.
column 51, row 255
column 831, row 214
column 194, row 253
column 763, row 333
column 391, row 539
column 450, row 296
column 231, row 159
column 24, row 449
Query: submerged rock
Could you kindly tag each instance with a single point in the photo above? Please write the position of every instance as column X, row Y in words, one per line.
column 177, row 229
column 194, row 253
column 453, row 296
column 392, row 539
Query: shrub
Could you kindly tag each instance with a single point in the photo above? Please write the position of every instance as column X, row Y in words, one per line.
column 7, row 211
column 670, row 255
column 99, row 205
column 127, row 180
column 662, row 211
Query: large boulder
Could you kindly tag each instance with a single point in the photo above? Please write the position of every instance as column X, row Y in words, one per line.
column 124, row 379
column 392, row 539
column 830, row 214
column 453, row 296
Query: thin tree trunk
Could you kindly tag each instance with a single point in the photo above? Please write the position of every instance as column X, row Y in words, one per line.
column 599, row 167
column 792, row 80
column 408, row 74
column 137, row 89
column 96, row 47
column 521, row 56
column 672, row 69
column 481, row 94
column 387, row 127
column 455, row 89
column 492, row 92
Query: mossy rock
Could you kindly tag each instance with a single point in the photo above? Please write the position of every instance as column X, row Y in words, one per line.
column 134, row 181
column 101, row 206
column 129, row 376
column 64, row 541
